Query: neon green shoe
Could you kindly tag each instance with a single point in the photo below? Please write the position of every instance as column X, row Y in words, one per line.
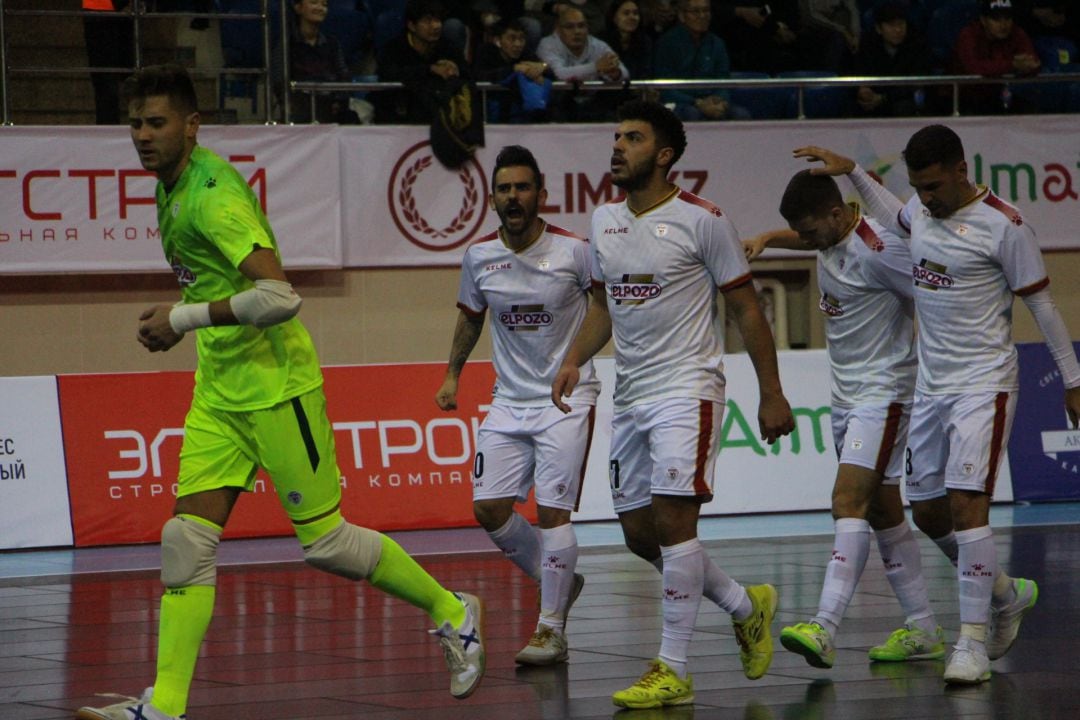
column 659, row 686
column 1005, row 622
column 753, row 634
column 811, row 641
column 909, row 643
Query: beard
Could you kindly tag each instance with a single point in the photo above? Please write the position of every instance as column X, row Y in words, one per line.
column 636, row 178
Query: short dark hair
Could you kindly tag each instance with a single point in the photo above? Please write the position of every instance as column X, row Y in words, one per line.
column 170, row 80
column 504, row 26
column 417, row 9
column 931, row 145
column 517, row 156
column 665, row 123
column 809, row 195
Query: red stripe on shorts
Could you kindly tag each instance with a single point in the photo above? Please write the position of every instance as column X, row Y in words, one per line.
column 1001, row 402
column 585, row 458
column 888, row 437
column 704, row 442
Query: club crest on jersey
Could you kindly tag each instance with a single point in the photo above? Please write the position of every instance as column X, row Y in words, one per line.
column 661, row 229
column 830, row 305
column 543, row 264
column 184, row 275
column 525, row 318
column 931, row 275
column 634, row 289
column 175, row 209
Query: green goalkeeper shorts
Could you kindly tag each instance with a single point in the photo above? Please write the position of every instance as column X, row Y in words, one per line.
column 293, row 441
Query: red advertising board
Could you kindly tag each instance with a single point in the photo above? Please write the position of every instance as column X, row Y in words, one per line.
column 404, row 463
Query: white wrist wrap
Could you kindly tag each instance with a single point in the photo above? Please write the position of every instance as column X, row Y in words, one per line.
column 189, row 317
column 270, row 302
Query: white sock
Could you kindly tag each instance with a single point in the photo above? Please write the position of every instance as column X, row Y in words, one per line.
column 684, row 577
column 729, row 595
column 947, row 543
column 903, row 567
column 975, row 573
column 520, row 543
column 851, row 546
column 560, row 548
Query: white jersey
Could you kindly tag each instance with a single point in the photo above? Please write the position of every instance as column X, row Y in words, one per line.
column 866, row 295
column 538, row 299
column 661, row 269
column 967, row 267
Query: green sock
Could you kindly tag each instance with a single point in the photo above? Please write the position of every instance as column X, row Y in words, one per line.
column 401, row 576
column 185, row 615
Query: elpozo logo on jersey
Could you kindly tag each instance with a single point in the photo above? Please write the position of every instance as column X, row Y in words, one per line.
column 932, row 275
column 634, row 289
column 435, row 208
column 525, row 318
column 830, row 305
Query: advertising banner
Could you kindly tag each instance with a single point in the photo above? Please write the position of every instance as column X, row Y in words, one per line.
column 401, row 208
column 404, row 463
column 76, row 199
column 1044, row 449
column 34, row 509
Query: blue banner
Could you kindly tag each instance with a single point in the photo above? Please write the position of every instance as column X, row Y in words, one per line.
column 1044, row 451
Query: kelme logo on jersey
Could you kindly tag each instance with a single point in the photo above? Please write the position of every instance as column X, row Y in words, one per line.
column 525, row 318
column 184, row 274
column 634, row 289
column 830, row 305
column 931, row 275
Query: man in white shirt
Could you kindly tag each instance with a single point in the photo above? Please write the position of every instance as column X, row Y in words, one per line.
column 864, row 272
column 536, row 279
column 972, row 254
column 575, row 56
column 659, row 257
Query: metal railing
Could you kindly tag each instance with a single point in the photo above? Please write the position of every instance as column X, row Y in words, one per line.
column 138, row 12
column 955, row 82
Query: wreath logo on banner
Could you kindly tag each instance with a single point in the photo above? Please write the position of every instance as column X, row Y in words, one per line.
column 408, row 200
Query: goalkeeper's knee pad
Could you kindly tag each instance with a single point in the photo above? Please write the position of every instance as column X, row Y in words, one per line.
column 189, row 552
column 348, row 550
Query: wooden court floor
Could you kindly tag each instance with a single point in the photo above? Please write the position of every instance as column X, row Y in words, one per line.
column 288, row 642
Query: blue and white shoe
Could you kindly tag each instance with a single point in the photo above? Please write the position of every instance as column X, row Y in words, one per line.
column 129, row 709
column 464, row 648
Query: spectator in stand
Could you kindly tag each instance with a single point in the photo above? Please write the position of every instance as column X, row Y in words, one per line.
column 689, row 51
column 109, row 43
column 1053, row 17
column 314, row 56
column 423, row 60
column 893, row 49
column 547, row 12
column 505, row 59
column 627, row 36
column 762, row 36
column 993, row 46
column 574, row 55
column 833, row 29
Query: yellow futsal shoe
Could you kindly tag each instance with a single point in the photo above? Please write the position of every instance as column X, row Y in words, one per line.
column 753, row 634
column 910, row 643
column 659, row 686
column 811, row 641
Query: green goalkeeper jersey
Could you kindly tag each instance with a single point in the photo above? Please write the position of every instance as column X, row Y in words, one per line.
column 210, row 221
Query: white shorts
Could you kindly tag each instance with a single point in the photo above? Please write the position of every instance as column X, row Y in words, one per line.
column 666, row 447
column 872, row 436
column 522, row 447
column 957, row 442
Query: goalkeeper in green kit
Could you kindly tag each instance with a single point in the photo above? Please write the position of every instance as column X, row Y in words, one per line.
column 258, row 402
